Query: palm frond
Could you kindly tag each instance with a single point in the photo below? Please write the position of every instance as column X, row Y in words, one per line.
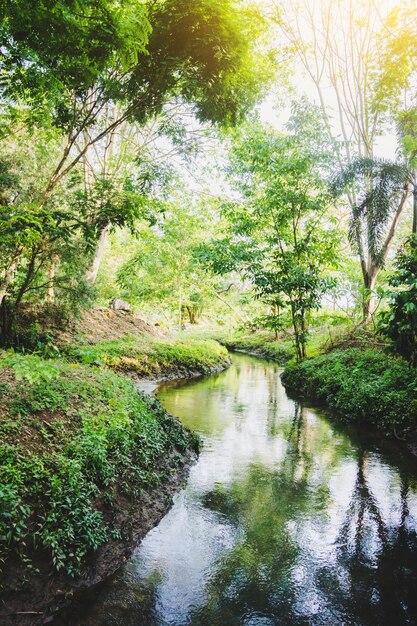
column 379, row 185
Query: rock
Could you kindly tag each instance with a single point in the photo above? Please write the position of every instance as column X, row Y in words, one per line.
column 119, row 305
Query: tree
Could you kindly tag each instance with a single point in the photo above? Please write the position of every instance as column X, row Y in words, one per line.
column 144, row 157
column 280, row 236
column 50, row 245
column 395, row 72
column 198, row 51
column 162, row 270
column 381, row 189
column 336, row 43
column 339, row 44
column 407, row 131
column 135, row 54
column 399, row 321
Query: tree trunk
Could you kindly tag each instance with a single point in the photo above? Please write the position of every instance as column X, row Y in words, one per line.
column 50, row 294
column 370, row 271
column 30, row 273
column 303, row 337
column 98, row 257
column 369, row 298
column 180, row 310
column 10, row 272
column 191, row 314
column 296, row 334
column 414, row 231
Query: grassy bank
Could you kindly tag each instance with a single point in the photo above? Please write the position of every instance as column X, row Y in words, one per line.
column 324, row 330
column 366, row 386
column 79, row 445
column 261, row 343
column 150, row 357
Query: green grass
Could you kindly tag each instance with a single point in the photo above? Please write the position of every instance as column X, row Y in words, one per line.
column 149, row 357
column 325, row 329
column 74, row 439
column 261, row 343
column 368, row 386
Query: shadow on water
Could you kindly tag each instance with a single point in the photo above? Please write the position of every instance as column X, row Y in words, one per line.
column 287, row 518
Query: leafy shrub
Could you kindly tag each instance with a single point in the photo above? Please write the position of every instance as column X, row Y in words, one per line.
column 70, row 443
column 70, row 527
column 13, row 515
column 30, row 368
column 364, row 385
column 399, row 322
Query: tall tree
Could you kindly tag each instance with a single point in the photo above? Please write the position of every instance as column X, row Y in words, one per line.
column 136, row 54
column 142, row 156
column 196, row 50
column 380, row 189
column 281, row 235
column 338, row 44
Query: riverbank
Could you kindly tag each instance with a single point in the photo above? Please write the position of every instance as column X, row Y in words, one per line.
column 326, row 330
column 88, row 465
column 147, row 357
column 365, row 386
column 282, row 504
column 261, row 344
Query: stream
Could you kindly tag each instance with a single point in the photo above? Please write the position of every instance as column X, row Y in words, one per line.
column 288, row 518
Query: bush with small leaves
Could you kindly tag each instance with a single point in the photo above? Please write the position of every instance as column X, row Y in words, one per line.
column 368, row 386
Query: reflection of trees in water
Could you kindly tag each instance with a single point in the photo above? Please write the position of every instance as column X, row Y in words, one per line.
column 255, row 577
column 373, row 578
column 296, row 425
column 375, row 581
column 370, row 578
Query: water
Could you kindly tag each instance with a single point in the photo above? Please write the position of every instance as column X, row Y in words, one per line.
column 286, row 519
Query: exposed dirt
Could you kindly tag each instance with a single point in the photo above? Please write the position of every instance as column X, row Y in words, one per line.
column 41, row 600
column 103, row 324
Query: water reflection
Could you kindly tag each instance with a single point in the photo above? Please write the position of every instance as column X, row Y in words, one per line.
column 285, row 519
